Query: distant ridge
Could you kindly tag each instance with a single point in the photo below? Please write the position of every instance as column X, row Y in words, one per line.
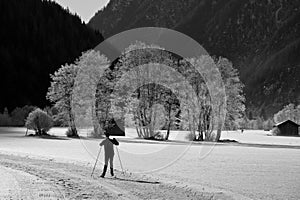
column 261, row 37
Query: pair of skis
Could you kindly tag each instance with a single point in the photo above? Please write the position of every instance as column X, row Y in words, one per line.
column 99, row 152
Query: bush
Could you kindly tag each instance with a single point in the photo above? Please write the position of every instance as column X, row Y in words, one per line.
column 39, row 121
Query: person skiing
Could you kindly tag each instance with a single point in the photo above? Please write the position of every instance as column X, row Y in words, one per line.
column 108, row 153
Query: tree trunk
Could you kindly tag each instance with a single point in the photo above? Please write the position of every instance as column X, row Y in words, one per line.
column 169, row 124
column 200, row 127
column 97, row 128
column 200, row 137
column 147, row 131
column 138, row 131
column 38, row 132
column 72, row 125
column 218, row 136
column 219, row 124
column 168, row 131
column 139, row 126
column 191, row 124
column 38, row 127
column 219, row 131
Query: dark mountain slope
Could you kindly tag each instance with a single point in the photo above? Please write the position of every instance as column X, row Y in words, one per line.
column 261, row 37
column 37, row 37
column 120, row 15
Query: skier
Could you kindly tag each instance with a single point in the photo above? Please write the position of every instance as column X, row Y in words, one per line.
column 108, row 153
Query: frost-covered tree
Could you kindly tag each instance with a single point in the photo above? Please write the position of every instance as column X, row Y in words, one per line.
column 60, row 93
column 235, row 98
column 206, row 116
column 73, row 90
column 91, row 67
column 139, row 90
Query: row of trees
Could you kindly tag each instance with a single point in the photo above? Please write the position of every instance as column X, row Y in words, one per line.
column 31, row 117
column 254, row 124
column 149, row 88
column 41, row 120
column 185, row 98
column 16, row 117
column 289, row 112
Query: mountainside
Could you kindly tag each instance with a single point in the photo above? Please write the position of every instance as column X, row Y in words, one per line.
column 261, row 38
column 37, row 37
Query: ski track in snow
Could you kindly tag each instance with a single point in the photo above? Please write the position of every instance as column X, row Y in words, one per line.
column 46, row 179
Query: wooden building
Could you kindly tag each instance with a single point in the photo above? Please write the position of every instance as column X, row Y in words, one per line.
column 117, row 128
column 287, row 128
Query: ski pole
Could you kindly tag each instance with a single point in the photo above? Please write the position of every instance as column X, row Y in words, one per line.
column 96, row 161
column 120, row 160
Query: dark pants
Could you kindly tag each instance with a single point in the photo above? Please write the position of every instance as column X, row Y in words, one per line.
column 109, row 157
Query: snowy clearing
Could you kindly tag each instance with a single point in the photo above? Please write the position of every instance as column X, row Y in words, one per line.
column 264, row 167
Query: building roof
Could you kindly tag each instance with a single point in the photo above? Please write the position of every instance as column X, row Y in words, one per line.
column 286, row 121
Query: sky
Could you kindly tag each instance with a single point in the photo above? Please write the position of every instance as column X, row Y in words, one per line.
column 84, row 8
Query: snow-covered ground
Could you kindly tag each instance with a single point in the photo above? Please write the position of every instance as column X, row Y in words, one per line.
column 260, row 137
column 263, row 167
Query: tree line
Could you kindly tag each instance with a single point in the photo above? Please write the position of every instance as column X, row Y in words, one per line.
column 147, row 88
column 190, row 108
column 94, row 92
